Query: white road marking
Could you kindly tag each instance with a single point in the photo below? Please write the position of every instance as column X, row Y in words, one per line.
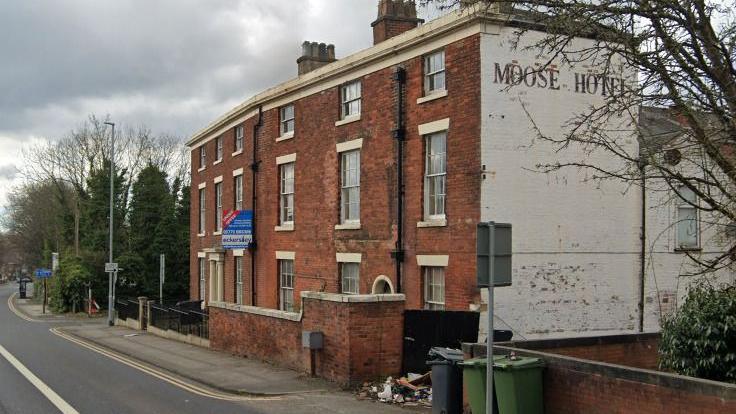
column 62, row 405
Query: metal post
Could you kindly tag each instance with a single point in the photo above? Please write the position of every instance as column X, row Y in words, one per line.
column 489, row 312
column 162, row 270
column 110, row 297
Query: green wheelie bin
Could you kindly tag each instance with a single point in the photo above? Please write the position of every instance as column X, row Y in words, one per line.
column 517, row 384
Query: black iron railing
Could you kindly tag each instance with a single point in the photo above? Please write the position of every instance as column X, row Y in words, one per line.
column 185, row 318
column 126, row 308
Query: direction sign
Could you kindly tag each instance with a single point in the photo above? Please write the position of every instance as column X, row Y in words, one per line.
column 43, row 273
column 237, row 230
column 111, row 267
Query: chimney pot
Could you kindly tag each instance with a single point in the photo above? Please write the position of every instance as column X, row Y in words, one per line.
column 314, row 55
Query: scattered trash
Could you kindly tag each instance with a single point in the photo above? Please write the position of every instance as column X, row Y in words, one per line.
column 412, row 390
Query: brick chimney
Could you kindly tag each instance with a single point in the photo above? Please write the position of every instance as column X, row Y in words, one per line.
column 394, row 18
column 314, row 56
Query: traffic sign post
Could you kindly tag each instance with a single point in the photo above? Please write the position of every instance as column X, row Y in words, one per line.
column 162, row 271
column 493, row 249
column 43, row 274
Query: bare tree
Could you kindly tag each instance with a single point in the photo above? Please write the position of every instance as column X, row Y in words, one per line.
column 682, row 53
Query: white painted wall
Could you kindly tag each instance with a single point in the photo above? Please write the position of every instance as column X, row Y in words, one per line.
column 576, row 241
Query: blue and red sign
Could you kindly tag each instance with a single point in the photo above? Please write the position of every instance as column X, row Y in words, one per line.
column 237, row 229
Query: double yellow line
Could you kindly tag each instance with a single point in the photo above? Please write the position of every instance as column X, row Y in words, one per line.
column 159, row 374
column 18, row 313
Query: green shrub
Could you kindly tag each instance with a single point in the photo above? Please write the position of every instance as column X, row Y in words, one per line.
column 69, row 284
column 699, row 339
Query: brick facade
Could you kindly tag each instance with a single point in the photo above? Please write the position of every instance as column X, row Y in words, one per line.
column 362, row 340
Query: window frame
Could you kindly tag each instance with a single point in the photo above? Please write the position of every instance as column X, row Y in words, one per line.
column 345, row 102
column 239, row 138
column 202, row 262
column 430, row 75
column 285, row 122
column 349, row 283
column 429, row 301
column 218, row 149
column 218, row 207
column 286, row 195
column 238, row 192
column 286, row 290
column 238, row 271
column 202, row 157
column 691, row 205
column 202, row 210
column 346, row 188
column 430, row 199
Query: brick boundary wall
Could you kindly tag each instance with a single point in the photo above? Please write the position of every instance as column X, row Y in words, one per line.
column 632, row 350
column 362, row 334
column 574, row 385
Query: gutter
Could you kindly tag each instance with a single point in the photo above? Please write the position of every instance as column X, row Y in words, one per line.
column 643, row 246
column 253, row 200
column 399, row 134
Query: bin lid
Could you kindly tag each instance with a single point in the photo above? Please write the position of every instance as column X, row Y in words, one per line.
column 503, row 362
column 445, row 354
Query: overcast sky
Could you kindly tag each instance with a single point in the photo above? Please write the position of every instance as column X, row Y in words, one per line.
column 173, row 65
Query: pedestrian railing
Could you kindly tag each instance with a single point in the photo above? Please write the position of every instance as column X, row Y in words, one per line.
column 181, row 317
column 126, row 308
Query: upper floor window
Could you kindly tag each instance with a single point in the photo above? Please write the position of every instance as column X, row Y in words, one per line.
column 434, row 288
column 350, row 97
column 435, row 175
column 688, row 226
column 287, row 119
column 350, row 186
column 202, row 210
column 286, row 191
column 218, row 149
column 349, row 277
column 238, row 192
column 238, row 138
column 202, row 157
column 218, row 207
column 434, row 72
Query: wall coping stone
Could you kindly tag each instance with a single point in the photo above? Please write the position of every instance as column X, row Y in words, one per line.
column 682, row 383
column 552, row 343
column 256, row 310
column 370, row 298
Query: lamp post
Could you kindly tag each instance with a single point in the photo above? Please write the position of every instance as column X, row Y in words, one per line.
column 111, row 272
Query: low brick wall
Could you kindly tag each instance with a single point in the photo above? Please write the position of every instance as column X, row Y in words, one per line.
column 633, row 350
column 579, row 386
column 362, row 334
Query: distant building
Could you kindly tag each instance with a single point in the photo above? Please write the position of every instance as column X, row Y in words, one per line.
column 368, row 174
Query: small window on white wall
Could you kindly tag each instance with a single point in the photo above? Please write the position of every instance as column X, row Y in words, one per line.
column 434, row 287
column 688, row 226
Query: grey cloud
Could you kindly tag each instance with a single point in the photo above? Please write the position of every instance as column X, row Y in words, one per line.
column 8, row 172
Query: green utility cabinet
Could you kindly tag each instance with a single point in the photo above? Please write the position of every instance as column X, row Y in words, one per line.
column 517, row 383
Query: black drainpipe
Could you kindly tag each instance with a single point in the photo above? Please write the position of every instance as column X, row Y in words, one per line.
column 253, row 199
column 399, row 134
column 643, row 247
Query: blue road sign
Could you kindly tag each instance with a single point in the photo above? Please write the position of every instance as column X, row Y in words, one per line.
column 43, row 273
column 237, row 228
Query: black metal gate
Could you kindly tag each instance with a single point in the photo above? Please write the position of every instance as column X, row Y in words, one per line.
column 424, row 329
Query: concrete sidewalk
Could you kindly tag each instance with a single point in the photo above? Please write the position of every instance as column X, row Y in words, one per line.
column 214, row 369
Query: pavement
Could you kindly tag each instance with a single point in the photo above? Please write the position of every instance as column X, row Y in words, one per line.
column 264, row 387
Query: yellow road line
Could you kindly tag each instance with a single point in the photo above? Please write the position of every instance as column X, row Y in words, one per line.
column 18, row 313
column 159, row 374
column 53, row 397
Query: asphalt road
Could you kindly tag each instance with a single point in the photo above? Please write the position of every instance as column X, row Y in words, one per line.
column 84, row 380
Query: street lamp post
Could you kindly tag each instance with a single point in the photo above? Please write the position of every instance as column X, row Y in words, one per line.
column 111, row 272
